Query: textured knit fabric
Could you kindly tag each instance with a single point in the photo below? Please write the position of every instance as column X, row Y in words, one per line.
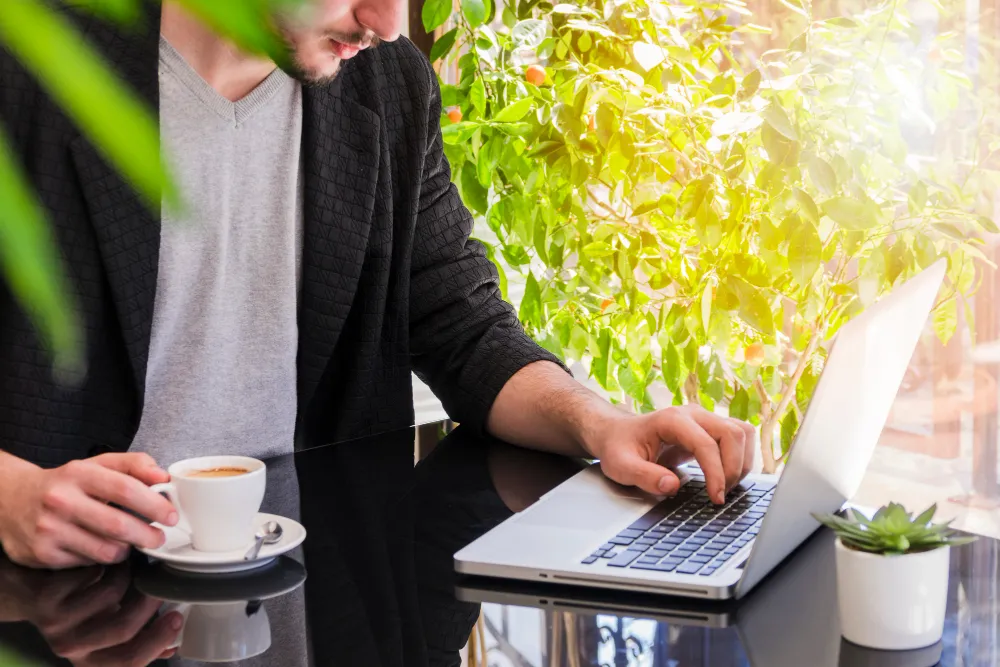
column 390, row 279
column 221, row 372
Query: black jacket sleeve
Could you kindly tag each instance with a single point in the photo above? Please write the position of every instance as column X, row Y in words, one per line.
column 465, row 341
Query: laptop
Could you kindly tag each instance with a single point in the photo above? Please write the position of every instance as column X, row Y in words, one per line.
column 590, row 531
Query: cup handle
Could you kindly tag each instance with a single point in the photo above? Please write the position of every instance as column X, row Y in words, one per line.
column 169, row 491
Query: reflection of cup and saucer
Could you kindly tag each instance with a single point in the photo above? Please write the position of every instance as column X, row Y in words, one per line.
column 224, row 615
column 218, row 498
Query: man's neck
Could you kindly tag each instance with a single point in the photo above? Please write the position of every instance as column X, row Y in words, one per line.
column 231, row 72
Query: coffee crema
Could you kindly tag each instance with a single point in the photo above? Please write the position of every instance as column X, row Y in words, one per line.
column 217, row 472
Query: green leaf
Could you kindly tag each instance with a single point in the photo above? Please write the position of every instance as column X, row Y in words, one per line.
column 249, row 25
column 435, row 13
column 601, row 365
column 631, row 382
column 514, row 112
column 797, row 6
column 776, row 117
column 598, row 249
column 458, row 133
column 749, row 85
column 789, row 425
column 808, row 206
column 648, row 55
column 123, row 11
column 477, row 96
column 29, row 259
column 754, row 307
column 949, row 229
column 842, row 22
column 475, row 12
column 739, row 407
column 638, row 342
column 672, row 367
column 987, row 224
column 607, row 123
column 121, row 127
column 530, row 313
column 917, row 198
column 823, row 176
column 736, row 122
column 804, row 250
column 945, row 320
column 529, row 34
column 508, row 18
column 443, row 45
column 926, row 516
column 473, row 193
column 706, row 307
column 849, row 213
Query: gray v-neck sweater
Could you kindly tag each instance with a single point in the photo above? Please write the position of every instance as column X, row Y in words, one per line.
column 221, row 376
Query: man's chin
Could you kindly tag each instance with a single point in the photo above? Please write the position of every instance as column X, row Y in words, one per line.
column 312, row 76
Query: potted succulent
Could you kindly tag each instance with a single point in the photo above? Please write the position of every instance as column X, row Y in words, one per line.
column 892, row 576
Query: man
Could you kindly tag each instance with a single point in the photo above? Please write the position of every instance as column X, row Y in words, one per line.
column 321, row 256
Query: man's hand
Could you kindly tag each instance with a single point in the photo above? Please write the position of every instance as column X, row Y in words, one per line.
column 61, row 517
column 639, row 450
column 543, row 407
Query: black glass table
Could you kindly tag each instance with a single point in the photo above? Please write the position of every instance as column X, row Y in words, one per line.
column 373, row 584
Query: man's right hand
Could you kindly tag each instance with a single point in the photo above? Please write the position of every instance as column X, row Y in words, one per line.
column 61, row 517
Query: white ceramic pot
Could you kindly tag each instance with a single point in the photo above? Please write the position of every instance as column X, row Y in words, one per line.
column 892, row 602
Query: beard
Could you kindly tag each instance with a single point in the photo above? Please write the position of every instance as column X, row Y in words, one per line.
column 310, row 61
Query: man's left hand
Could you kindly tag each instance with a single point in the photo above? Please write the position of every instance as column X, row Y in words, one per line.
column 640, row 450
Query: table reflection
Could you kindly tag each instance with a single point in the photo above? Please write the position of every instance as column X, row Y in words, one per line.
column 374, row 585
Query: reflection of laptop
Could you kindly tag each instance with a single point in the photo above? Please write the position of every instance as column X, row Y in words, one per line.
column 589, row 531
column 789, row 621
column 796, row 606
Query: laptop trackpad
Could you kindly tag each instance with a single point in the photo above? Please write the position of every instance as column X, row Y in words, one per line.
column 582, row 511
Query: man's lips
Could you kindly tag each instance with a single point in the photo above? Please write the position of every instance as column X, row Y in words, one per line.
column 344, row 51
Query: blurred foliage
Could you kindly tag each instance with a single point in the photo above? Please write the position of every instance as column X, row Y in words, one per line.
column 42, row 36
column 8, row 659
column 689, row 209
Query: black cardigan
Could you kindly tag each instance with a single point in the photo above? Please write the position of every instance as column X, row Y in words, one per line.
column 390, row 279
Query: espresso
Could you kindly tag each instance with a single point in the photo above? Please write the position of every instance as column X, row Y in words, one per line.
column 217, row 472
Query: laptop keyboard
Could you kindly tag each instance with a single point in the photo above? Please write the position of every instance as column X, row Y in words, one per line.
column 688, row 534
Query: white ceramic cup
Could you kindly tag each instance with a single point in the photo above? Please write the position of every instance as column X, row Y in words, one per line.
column 218, row 512
column 220, row 632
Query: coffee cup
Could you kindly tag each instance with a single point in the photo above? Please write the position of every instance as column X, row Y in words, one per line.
column 217, row 499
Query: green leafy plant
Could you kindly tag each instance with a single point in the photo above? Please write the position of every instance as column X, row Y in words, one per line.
column 892, row 531
column 687, row 211
column 48, row 45
column 8, row 659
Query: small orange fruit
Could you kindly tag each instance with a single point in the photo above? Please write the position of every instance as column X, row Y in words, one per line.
column 754, row 354
column 606, row 303
column 591, row 123
column 455, row 114
column 535, row 75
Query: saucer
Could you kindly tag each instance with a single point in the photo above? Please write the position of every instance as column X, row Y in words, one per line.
column 178, row 553
column 158, row 580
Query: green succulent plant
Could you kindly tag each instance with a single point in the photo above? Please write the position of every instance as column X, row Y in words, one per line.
column 893, row 531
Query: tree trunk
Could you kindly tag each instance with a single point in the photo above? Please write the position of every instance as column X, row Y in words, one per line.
column 767, row 447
